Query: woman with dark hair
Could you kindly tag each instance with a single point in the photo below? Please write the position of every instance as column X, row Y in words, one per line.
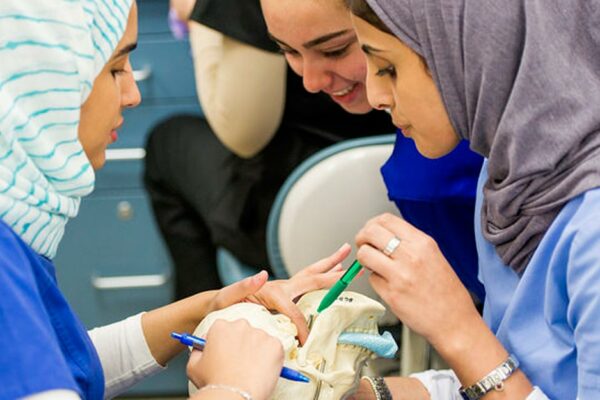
column 438, row 196
column 519, row 81
column 65, row 80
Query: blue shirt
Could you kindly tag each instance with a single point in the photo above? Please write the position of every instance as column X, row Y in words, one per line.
column 550, row 317
column 438, row 197
column 43, row 346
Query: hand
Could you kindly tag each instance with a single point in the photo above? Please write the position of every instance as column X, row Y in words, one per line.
column 280, row 295
column 240, row 356
column 415, row 280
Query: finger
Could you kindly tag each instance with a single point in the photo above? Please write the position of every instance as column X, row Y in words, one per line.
column 380, row 285
column 238, row 291
column 375, row 235
column 193, row 367
column 305, row 284
column 398, row 226
column 282, row 304
column 328, row 263
column 374, row 260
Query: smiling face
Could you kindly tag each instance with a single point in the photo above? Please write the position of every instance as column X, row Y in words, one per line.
column 320, row 45
column 398, row 80
column 114, row 90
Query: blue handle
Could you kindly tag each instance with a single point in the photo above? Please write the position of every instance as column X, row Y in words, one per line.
column 199, row 343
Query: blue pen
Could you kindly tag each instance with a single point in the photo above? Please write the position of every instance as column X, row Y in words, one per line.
column 199, row 343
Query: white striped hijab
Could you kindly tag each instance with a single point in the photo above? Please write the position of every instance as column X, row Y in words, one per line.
column 50, row 53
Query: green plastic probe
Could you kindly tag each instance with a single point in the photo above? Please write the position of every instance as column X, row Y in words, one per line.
column 340, row 286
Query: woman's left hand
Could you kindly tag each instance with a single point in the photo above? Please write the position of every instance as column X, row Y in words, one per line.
column 415, row 280
column 186, row 314
column 279, row 295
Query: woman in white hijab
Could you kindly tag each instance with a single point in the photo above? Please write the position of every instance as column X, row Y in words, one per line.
column 65, row 79
column 519, row 79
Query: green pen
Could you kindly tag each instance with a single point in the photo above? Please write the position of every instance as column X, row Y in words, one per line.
column 340, row 286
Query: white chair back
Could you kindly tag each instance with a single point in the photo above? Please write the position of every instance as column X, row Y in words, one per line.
column 325, row 202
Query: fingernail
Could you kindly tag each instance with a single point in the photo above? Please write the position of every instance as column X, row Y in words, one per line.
column 258, row 277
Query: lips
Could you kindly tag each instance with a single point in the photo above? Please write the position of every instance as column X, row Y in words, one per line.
column 344, row 91
column 114, row 135
column 345, row 95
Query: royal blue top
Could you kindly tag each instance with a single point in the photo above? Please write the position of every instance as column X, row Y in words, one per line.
column 550, row 316
column 438, row 197
column 43, row 346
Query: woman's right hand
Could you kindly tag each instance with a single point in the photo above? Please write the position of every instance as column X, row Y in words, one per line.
column 417, row 282
column 239, row 356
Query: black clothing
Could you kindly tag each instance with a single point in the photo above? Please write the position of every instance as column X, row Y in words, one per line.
column 239, row 19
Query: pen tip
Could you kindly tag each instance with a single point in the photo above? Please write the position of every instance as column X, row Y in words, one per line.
column 176, row 335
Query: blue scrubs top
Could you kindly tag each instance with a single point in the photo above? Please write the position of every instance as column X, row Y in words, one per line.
column 43, row 346
column 550, row 317
column 438, row 197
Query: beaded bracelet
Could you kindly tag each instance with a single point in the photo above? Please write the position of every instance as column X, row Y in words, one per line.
column 382, row 392
column 242, row 393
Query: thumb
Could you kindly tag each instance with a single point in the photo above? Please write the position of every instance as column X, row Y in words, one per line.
column 238, row 291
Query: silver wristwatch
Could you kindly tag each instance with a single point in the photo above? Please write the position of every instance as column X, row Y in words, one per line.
column 492, row 381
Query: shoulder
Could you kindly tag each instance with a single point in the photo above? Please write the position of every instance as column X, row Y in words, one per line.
column 577, row 228
column 17, row 259
column 584, row 217
column 11, row 245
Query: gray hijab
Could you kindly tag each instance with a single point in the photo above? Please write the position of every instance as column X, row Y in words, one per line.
column 521, row 80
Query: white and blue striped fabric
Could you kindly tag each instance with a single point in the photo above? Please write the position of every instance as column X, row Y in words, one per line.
column 50, row 53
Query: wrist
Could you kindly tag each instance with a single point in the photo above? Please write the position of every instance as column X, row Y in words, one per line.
column 465, row 340
column 494, row 380
column 472, row 352
column 379, row 389
column 196, row 307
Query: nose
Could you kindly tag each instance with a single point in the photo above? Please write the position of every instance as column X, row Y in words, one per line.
column 379, row 93
column 130, row 93
column 315, row 76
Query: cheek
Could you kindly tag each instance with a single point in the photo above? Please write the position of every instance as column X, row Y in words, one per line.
column 353, row 67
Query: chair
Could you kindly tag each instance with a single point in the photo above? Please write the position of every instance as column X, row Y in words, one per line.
column 324, row 203
column 321, row 205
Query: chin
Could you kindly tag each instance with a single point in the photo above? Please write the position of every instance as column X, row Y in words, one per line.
column 433, row 152
column 98, row 163
column 362, row 108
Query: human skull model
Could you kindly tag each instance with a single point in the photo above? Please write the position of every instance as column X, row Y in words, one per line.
column 333, row 364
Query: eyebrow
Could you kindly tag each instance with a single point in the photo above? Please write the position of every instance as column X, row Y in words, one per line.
column 125, row 50
column 314, row 42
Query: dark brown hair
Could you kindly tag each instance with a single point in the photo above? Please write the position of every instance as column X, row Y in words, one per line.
column 363, row 10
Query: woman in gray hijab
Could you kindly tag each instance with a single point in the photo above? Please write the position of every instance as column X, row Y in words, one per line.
column 520, row 80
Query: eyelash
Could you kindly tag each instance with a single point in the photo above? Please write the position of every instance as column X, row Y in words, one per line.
column 118, row 71
column 336, row 53
column 288, row 51
column 389, row 70
column 329, row 54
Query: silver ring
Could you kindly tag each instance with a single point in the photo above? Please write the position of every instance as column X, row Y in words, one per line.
column 391, row 246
